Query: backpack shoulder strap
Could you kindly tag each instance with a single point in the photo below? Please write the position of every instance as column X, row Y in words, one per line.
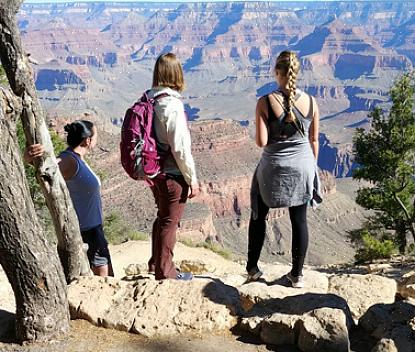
column 162, row 95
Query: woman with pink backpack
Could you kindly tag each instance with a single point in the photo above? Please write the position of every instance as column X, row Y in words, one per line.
column 177, row 180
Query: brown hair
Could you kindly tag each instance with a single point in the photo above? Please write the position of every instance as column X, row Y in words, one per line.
column 289, row 65
column 168, row 72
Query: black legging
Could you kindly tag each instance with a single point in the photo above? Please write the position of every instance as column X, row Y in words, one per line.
column 257, row 231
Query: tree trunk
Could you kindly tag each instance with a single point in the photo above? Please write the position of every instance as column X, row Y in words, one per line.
column 31, row 264
column 20, row 77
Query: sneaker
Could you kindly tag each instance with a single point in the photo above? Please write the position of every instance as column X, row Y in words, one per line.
column 184, row 276
column 296, row 281
column 254, row 274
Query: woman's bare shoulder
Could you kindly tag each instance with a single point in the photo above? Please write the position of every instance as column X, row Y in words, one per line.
column 67, row 165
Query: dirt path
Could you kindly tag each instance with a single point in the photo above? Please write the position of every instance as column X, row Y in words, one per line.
column 87, row 338
column 136, row 252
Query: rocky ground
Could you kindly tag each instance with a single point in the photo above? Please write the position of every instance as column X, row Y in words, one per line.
column 349, row 308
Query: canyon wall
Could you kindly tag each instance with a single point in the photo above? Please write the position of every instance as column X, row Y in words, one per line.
column 98, row 57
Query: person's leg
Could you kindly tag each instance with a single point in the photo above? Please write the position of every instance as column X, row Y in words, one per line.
column 298, row 217
column 172, row 198
column 103, row 270
column 98, row 252
column 155, row 229
column 256, row 235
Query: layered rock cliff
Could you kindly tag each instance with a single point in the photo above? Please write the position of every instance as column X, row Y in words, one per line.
column 98, row 58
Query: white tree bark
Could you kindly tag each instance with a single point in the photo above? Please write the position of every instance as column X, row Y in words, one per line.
column 19, row 74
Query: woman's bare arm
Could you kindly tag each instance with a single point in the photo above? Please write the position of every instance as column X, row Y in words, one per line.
column 261, row 117
column 314, row 130
column 67, row 167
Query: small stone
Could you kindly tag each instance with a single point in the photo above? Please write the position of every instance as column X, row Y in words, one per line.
column 377, row 268
column 385, row 345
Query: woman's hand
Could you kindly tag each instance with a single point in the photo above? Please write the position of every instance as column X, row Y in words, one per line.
column 32, row 152
column 193, row 191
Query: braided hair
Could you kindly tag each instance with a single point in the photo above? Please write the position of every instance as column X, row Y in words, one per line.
column 289, row 66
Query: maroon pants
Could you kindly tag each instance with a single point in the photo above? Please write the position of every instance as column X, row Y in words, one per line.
column 170, row 194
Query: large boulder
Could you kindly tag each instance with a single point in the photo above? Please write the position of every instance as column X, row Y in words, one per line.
column 395, row 322
column 309, row 317
column 279, row 329
column 273, row 284
column 324, row 329
column 363, row 291
column 406, row 286
column 321, row 329
column 150, row 307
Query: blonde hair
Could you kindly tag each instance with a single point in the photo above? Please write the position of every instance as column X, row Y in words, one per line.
column 168, row 72
column 289, row 65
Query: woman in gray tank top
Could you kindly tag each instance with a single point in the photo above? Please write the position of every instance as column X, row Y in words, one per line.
column 287, row 127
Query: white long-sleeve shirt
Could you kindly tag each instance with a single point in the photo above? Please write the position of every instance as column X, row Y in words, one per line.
column 170, row 126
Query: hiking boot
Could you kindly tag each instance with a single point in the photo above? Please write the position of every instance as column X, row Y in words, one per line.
column 254, row 274
column 296, row 281
column 184, row 276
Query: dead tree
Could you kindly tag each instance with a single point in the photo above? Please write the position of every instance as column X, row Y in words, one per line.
column 53, row 186
column 31, row 265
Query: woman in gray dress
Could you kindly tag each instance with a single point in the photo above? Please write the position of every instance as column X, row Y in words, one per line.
column 287, row 127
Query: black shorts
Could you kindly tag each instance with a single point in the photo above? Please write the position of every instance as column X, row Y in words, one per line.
column 98, row 253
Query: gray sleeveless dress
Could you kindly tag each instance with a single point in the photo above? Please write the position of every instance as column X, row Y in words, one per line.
column 286, row 174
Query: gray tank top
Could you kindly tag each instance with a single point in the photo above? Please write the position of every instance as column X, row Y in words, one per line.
column 85, row 190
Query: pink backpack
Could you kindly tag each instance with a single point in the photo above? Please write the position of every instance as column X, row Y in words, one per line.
column 138, row 146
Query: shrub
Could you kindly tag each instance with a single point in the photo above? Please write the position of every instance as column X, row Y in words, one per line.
column 208, row 244
column 386, row 157
column 216, row 248
column 372, row 248
column 117, row 231
column 188, row 242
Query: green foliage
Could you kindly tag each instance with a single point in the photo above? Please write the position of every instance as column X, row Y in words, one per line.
column 188, row 242
column 216, row 248
column 117, row 231
column 3, row 77
column 208, row 244
column 386, row 157
column 372, row 248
